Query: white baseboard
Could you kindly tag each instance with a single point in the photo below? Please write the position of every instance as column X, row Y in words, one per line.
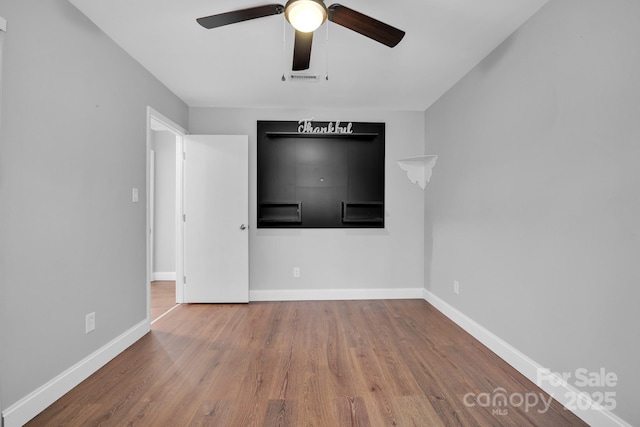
column 335, row 294
column 163, row 275
column 31, row 405
column 563, row 393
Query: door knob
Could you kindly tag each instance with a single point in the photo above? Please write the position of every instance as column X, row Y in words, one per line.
column 243, row 227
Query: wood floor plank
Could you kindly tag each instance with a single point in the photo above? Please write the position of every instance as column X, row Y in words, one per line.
column 143, row 414
column 417, row 411
column 352, row 412
column 372, row 385
column 307, row 363
column 389, row 350
column 212, row 413
column 281, row 413
column 163, row 297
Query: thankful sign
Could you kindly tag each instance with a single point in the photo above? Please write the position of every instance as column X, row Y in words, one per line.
column 307, row 126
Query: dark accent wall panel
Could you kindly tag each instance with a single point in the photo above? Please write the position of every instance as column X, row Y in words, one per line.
column 312, row 179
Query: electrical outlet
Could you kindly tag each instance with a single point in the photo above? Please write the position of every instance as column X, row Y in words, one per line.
column 134, row 195
column 90, row 322
column 296, row 271
column 456, row 287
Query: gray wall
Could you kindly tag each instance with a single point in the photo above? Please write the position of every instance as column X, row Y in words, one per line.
column 329, row 259
column 534, row 206
column 165, row 202
column 72, row 146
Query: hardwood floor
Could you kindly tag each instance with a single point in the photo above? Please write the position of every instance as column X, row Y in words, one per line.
column 163, row 297
column 321, row 363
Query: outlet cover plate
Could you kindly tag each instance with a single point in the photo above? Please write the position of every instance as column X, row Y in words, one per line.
column 90, row 322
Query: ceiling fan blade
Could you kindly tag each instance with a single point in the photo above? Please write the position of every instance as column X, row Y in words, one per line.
column 365, row 25
column 240, row 15
column 302, row 51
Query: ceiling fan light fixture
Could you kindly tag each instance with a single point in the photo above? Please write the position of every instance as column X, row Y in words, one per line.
column 305, row 15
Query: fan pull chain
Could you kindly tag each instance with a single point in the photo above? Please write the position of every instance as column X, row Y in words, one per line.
column 284, row 49
column 326, row 77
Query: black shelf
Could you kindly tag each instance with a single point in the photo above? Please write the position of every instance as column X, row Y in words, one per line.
column 280, row 212
column 363, row 212
column 358, row 135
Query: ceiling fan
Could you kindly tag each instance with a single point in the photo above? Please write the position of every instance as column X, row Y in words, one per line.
column 306, row 16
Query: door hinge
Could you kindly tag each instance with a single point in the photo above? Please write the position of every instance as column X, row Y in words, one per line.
column 184, row 217
column 184, row 155
column 184, row 280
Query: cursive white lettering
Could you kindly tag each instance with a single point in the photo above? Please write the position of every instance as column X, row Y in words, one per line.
column 306, row 126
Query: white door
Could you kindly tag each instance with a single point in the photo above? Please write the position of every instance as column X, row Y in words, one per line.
column 216, row 208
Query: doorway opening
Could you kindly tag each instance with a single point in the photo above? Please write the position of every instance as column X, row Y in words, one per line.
column 164, row 211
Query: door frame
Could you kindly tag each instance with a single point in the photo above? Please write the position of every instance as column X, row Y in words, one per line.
column 158, row 122
column 152, row 209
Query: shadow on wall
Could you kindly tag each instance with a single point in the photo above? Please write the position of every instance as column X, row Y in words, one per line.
column 490, row 62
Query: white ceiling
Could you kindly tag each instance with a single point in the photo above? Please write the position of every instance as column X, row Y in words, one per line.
column 241, row 65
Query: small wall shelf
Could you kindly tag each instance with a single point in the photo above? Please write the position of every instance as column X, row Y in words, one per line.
column 280, row 212
column 419, row 168
column 363, row 212
column 353, row 135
